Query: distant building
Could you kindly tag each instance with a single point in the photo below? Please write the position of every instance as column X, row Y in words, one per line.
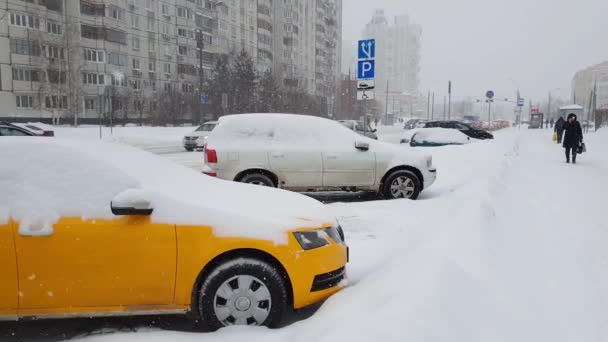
column 397, row 61
column 583, row 85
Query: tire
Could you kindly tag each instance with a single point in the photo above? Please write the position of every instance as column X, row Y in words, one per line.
column 258, row 179
column 410, row 186
column 220, row 303
column 189, row 149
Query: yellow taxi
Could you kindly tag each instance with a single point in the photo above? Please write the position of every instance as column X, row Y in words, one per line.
column 100, row 229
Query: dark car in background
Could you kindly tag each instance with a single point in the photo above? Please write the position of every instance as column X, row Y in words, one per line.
column 464, row 128
column 10, row 130
column 36, row 130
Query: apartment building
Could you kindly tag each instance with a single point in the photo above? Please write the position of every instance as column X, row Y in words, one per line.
column 398, row 45
column 94, row 59
column 585, row 81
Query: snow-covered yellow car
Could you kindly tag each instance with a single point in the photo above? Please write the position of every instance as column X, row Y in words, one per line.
column 99, row 229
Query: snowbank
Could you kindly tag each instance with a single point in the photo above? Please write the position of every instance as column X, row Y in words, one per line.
column 51, row 178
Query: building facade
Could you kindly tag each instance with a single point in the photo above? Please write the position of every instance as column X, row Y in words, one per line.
column 584, row 82
column 88, row 60
column 397, row 61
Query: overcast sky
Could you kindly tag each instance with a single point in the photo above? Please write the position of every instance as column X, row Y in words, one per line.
column 535, row 45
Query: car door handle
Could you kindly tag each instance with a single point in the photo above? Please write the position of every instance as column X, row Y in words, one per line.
column 278, row 155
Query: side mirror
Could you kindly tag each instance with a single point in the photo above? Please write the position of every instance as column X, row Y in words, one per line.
column 374, row 130
column 361, row 146
column 131, row 202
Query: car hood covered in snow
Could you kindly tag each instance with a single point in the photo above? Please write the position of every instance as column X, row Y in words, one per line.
column 44, row 180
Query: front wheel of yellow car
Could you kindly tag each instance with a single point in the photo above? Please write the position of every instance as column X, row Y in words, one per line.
column 243, row 292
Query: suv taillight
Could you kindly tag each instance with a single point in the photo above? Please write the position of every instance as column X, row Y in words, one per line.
column 210, row 156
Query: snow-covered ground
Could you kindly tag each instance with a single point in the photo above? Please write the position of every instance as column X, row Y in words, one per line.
column 510, row 244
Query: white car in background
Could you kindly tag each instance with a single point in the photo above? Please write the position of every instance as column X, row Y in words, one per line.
column 306, row 153
column 198, row 138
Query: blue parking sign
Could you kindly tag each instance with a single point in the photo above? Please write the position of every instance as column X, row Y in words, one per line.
column 366, row 69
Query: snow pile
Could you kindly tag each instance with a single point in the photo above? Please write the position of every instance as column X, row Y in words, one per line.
column 51, row 178
column 441, row 136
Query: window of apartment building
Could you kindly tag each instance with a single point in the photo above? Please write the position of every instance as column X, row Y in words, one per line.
column 93, row 79
column 118, row 81
column 150, row 4
column 119, row 59
column 263, row 24
column 89, row 103
column 54, row 101
column 186, row 13
column 20, row 74
column 183, row 50
column 54, row 27
column 136, row 84
column 55, row 76
column 151, row 66
column 138, row 105
column 153, row 85
column 98, row 10
column 185, row 33
column 165, row 29
column 52, row 5
column 151, row 44
column 136, row 64
column 89, row 32
column 135, row 43
column 23, row 101
column 25, row 47
column 167, row 86
column 115, row 36
column 24, row 20
column 151, row 24
column 263, row 9
column 134, row 20
column 168, row 50
column 116, row 12
column 167, row 68
column 187, row 88
column 153, row 105
column 55, row 52
column 91, row 55
column 165, row 9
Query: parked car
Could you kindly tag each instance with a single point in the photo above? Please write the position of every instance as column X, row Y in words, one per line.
column 435, row 137
column 109, row 230
column 8, row 129
column 36, row 130
column 198, row 138
column 359, row 127
column 306, row 153
column 464, row 128
column 411, row 124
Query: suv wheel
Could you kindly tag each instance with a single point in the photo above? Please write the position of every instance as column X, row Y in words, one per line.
column 243, row 292
column 258, row 179
column 402, row 184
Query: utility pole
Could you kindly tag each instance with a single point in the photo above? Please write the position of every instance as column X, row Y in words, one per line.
column 428, row 105
column 386, row 106
column 201, row 45
column 444, row 107
column 449, row 100
column 433, row 107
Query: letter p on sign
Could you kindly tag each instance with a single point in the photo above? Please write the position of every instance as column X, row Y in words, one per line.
column 366, row 69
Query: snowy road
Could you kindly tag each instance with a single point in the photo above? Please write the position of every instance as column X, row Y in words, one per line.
column 508, row 245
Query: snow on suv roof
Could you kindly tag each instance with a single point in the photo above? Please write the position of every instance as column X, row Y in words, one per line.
column 45, row 180
column 281, row 129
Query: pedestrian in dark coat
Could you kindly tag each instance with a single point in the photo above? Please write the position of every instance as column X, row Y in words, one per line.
column 552, row 122
column 573, row 137
column 559, row 129
column 547, row 123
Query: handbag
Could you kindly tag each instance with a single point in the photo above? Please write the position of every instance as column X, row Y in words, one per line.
column 582, row 148
column 554, row 137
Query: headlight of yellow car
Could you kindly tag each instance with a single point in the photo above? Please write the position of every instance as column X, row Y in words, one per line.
column 318, row 238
